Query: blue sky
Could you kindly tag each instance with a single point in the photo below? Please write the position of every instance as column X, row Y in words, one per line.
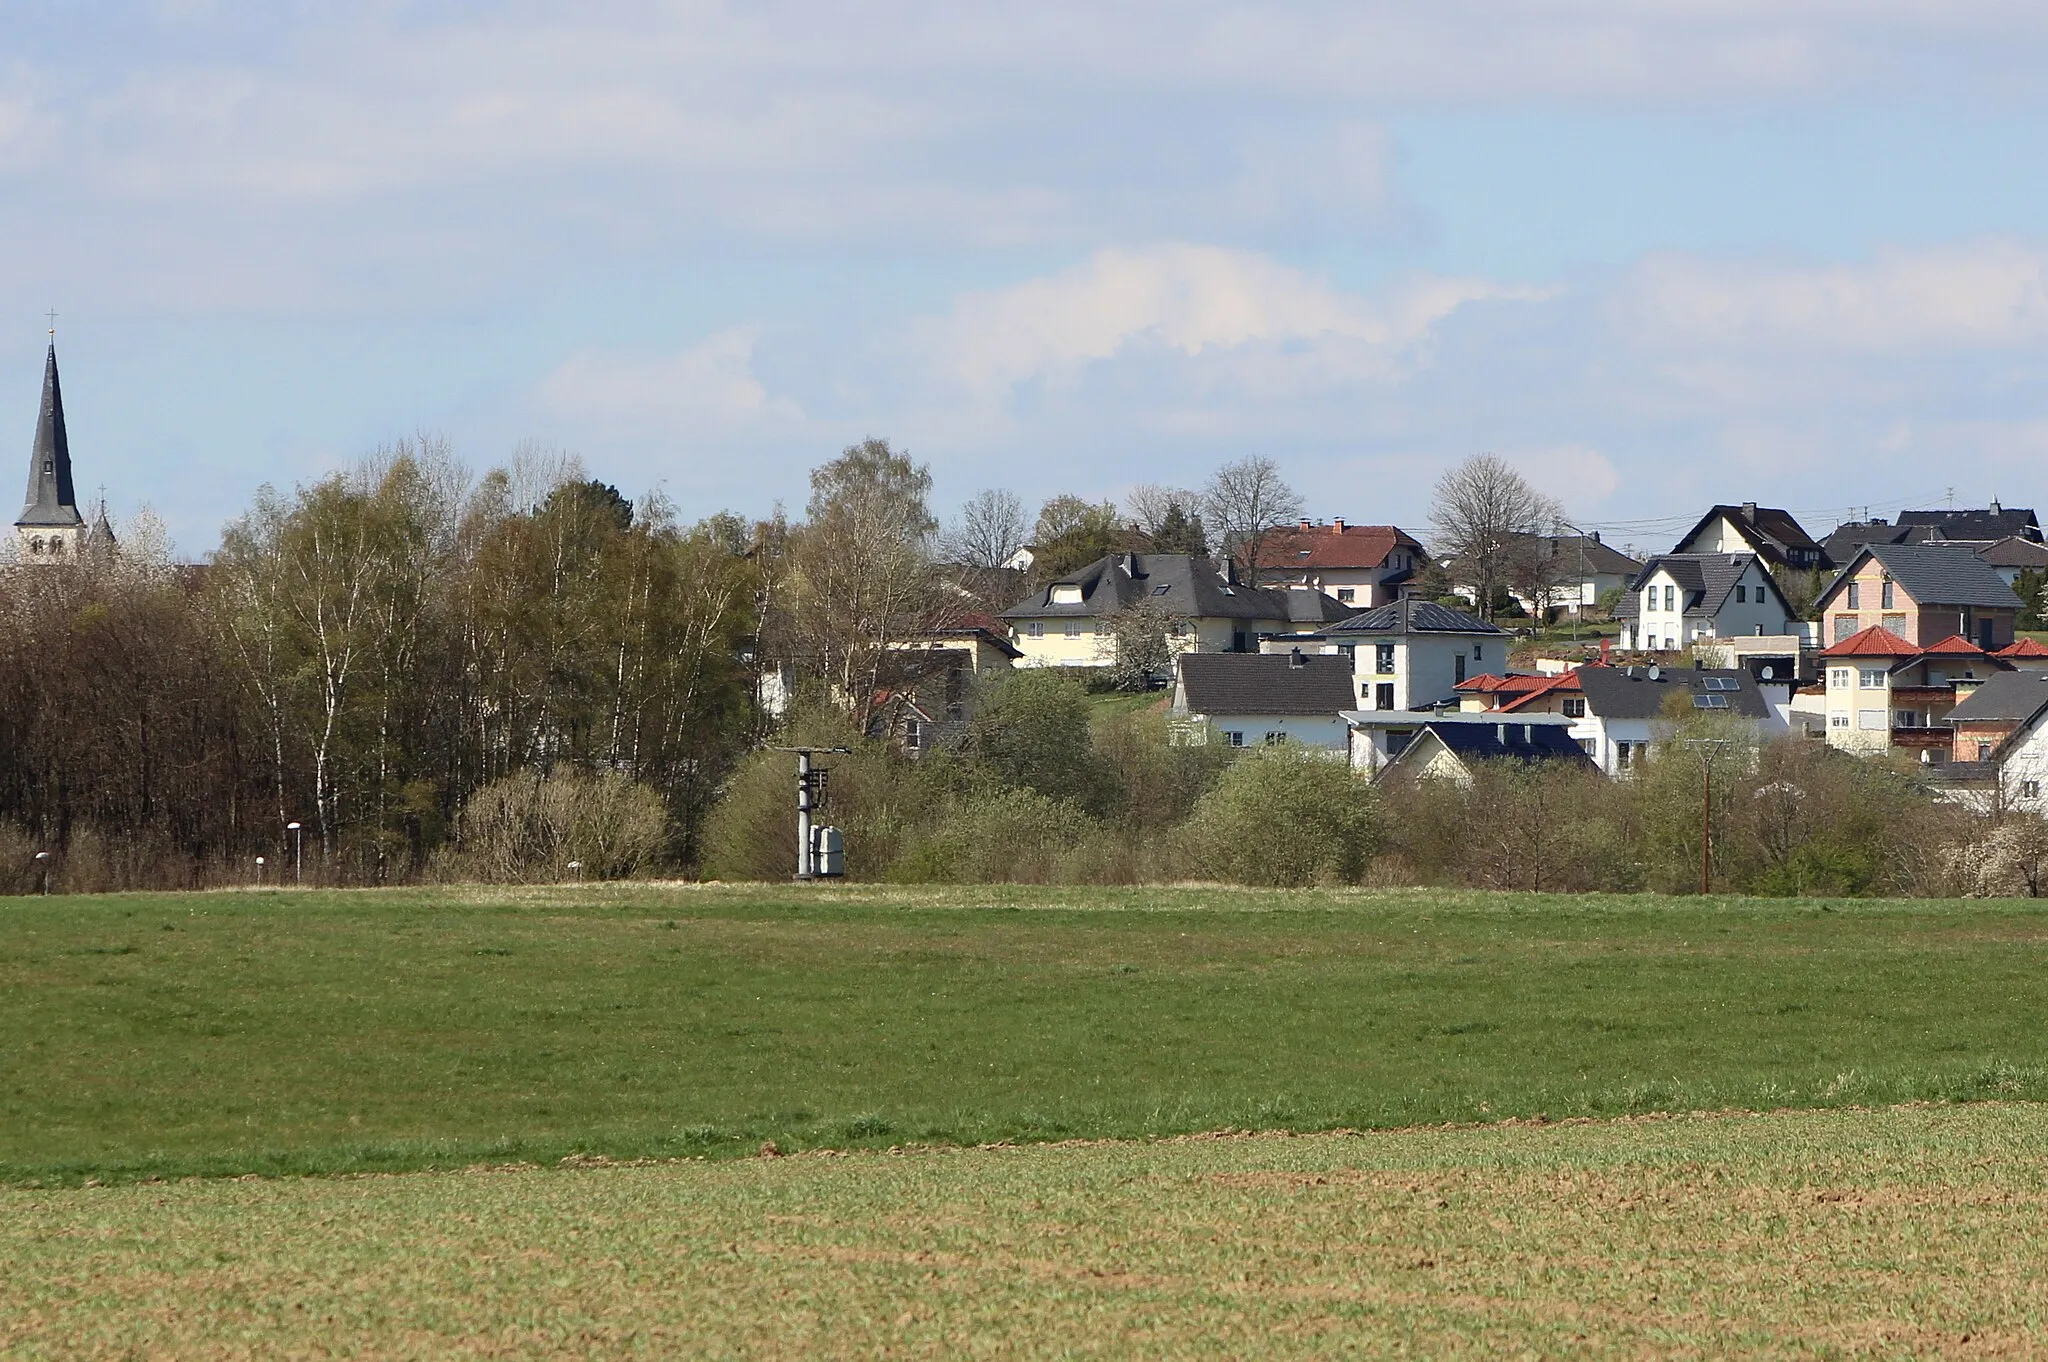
column 1656, row 253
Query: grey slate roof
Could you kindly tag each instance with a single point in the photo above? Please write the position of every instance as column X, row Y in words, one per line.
column 1508, row 741
column 1705, row 578
column 50, row 502
column 1573, row 550
column 1775, row 534
column 1994, row 523
column 2015, row 552
column 1217, row 684
column 1410, row 616
column 1936, row 574
column 2008, row 696
column 1629, row 693
column 1181, row 583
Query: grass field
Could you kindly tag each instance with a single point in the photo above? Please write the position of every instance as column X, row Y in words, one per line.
column 1815, row 1234
column 280, row 1032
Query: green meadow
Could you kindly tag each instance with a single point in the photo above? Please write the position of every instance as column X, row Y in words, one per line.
column 170, row 1035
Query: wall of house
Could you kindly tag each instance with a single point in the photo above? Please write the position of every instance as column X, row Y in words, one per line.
column 1363, row 584
column 1425, row 666
column 1657, row 628
column 1912, row 621
column 1968, row 736
column 1719, row 537
column 2025, row 769
column 1859, row 704
column 1095, row 646
column 1760, row 611
column 1324, row 733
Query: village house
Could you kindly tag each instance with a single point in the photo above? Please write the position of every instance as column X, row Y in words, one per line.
column 1576, row 571
column 1921, row 593
column 1408, row 655
column 1680, row 599
column 1262, row 699
column 2011, row 556
column 1070, row 622
column 1975, row 528
column 1361, row 565
column 1618, row 713
column 1450, row 750
column 1771, row 534
column 932, row 672
column 1888, row 695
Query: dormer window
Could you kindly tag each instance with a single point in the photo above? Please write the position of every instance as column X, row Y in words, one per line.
column 1066, row 595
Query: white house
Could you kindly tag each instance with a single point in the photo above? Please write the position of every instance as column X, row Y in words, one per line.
column 1410, row 654
column 1361, row 565
column 1449, row 750
column 1380, row 736
column 1618, row 713
column 1679, row 599
column 1262, row 699
column 2000, row 744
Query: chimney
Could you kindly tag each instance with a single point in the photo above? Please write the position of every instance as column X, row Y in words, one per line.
column 1295, row 659
column 1337, row 522
column 1306, row 525
column 1749, row 510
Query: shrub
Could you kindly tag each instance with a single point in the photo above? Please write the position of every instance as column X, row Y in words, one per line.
column 528, row 827
column 992, row 837
column 1286, row 816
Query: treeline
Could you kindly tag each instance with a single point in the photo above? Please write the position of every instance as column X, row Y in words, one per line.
column 1050, row 785
column 364, row 657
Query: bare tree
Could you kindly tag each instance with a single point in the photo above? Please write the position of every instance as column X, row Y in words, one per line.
column 1484, row 517
column 988, row 532
column 1245, row 501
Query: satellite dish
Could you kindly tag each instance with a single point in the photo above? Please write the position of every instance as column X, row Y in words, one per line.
column 1768, row 673
column 1656, row 672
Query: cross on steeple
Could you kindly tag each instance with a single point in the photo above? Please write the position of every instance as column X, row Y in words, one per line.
column 53, row 321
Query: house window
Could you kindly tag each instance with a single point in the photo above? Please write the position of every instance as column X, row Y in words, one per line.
column 1741, row 594
column 1383, row 659
column 1274, row 737
column 1984, row 751
column 1873, row 678
column 2030, row 789
column 1073, row 628
column 1838, row 721
column 1478, row 651
column 1035, row 629
column 1574, row 706
column 1845, row 627
column 1383, row 695
column 1670, row 598
column 1650, row 599
column 1909, row 718
column 1895, row 623
column 1841, row 677
column 1459, row 669
column 1872, row 720
column 1885, row 594
column 1855, row 596
column 1344, row 593
column 1234, row 737
column 1624, row 755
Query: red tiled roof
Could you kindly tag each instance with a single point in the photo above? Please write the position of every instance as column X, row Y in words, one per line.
column 2025, row 647
column 1876, row 641
column 1955, row 645
column 1563, row 682
column 1353, row 546
column 1517, row 681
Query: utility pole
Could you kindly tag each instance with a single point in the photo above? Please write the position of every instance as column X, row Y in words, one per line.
column 1708, row 748
column 810, row 786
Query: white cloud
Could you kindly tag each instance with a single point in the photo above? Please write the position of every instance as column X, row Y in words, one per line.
column 708, row 389
column 1193, row 301
column 1987, row 294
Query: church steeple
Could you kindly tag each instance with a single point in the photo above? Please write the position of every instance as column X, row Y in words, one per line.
column 51, row 503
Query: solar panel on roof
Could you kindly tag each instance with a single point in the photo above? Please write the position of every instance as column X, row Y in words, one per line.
column 1710, row 702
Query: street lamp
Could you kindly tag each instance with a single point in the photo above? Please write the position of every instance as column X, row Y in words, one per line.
column 259, row 872
column 298, row 853
column 43, row 864
column 576, row 871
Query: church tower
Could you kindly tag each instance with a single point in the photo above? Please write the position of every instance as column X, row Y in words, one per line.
column 50, row 529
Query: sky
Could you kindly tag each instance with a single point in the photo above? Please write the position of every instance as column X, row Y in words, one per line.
column 1655, row 253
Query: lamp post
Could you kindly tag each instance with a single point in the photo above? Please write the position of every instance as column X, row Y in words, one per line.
column 259, row 872
column 298, row 852
column 43, row 864
column 576, row 871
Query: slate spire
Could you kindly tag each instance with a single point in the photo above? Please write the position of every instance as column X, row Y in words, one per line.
column 51, row 501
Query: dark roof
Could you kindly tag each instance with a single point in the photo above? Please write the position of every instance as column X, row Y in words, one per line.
column 1304, row 606
column 1996, row 522
column 2007, row 696
column 1509, row 740
column 1294, row 548
column 1936, row 574
column 1181, row 583
column 2015, row 552
column 50, row 501
column 1843, row 541
column 1706, row 578
column 1266, row 683
column 1575, row 550
column 1410, row 616
column 1775, row 534
column 1630, row 693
